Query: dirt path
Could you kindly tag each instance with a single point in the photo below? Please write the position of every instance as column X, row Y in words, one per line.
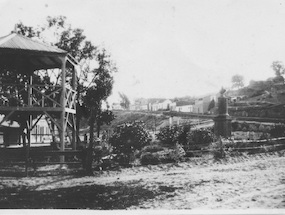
column 239, row 183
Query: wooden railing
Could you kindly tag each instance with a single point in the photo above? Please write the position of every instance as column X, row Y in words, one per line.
column 17, row 95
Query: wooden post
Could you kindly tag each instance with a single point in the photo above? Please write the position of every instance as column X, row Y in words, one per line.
column 29, row 126
column 62, row 102
column 74, row 128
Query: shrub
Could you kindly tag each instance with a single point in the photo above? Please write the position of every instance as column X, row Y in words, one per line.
column 128, row 138
column 150, row 158
column 172, row 155
column 278, row 130
column 264, row 135
column 245, row 126
column 222, row 149
column 200, row 136
column 182, row 136
column 170, row 135
column 235, row 126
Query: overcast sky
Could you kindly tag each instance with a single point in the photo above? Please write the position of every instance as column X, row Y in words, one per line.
column 170, row 48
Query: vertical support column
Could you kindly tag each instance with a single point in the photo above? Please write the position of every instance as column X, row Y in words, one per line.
column 29, row 124
column 62, row 102
column 74, row 128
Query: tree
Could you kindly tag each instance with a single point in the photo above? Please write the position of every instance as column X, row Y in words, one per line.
column 237, row 81
column 99, row 89
column 211, row 105
column 125, row 102
column 105, row 117
column 278, row 68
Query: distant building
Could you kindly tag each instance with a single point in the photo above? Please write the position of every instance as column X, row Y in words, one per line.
column 165, row 104
column 202, row 104
column 198, row 106
column 184, row 106
column 117, row 106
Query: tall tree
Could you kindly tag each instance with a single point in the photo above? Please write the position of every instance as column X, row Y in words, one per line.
column 125, row 102
column 99, row 89
column 237, row 81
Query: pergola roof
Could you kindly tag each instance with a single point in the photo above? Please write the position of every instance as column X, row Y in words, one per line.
column 23, row 54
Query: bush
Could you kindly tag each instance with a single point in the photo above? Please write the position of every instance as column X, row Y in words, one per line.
column 170, row 135
column 182, row 137
column 150, row 158
column 235, row 126
column 278, row 130
column 200, row 136
column 222, row 149
column 128, row 138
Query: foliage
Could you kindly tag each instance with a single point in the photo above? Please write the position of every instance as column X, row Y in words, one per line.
column 219, row 150
column 105, row 117
column 211, row 105
column 14, row 92
column 170, row 135
column 150, row 158
column 125, row 102
column 278, row 130
column 99, row 89
column 237, row 81
column 278, row 68
column 128, row 138
column 235, row 125
column 182, row 136
column 200, row 136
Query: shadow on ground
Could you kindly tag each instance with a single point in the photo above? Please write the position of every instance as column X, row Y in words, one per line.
column 117, row 196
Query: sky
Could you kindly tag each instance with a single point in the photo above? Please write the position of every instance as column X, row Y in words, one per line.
column 170, row 48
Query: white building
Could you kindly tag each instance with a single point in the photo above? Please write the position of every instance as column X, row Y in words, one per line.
column 184, row 106
column 117, row 106
column 202, row 104
column 165, row 104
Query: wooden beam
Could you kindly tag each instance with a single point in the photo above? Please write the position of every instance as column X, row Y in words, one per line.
column 30, row 109
column 53, row 120
column 62, row 102
column 6, row 117
column 38, row 119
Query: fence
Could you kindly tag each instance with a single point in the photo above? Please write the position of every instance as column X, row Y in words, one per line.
column 250, row 146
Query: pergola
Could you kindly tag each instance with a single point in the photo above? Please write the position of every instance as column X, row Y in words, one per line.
column 57, row 102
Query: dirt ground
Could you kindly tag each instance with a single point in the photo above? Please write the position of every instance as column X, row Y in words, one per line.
column 246, row 182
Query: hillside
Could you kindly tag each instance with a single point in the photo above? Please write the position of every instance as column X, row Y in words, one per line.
column 261, row 91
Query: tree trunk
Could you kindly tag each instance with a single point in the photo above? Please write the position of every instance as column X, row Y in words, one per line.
column 89, row 150
column 78, row 119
